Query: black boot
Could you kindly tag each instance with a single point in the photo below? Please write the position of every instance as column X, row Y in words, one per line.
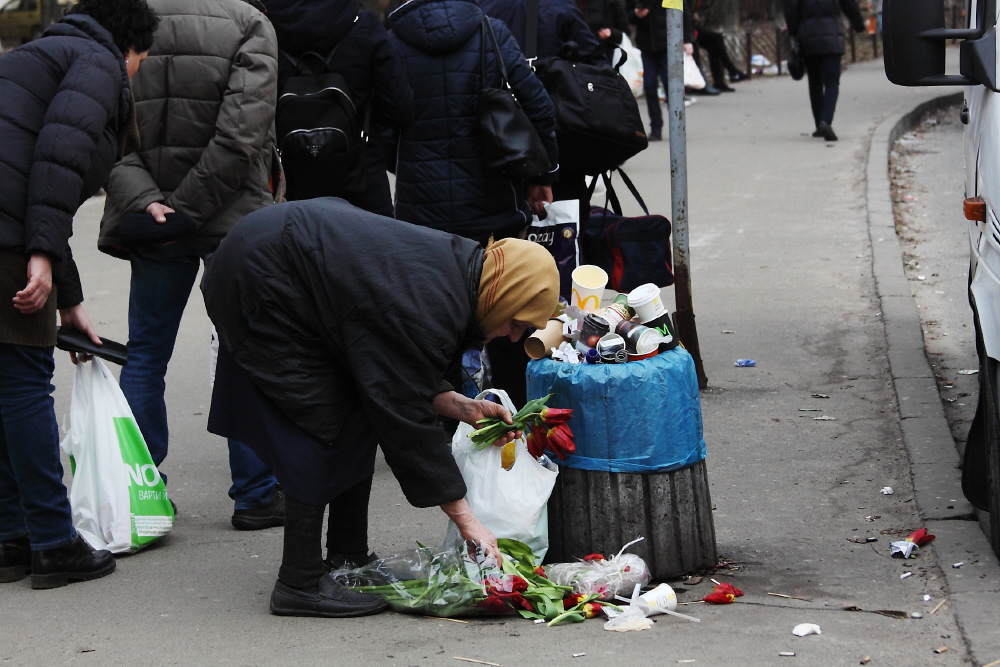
column 331, row 600
column 268, row 516
column 827, row 131
column 76, row 561
column 15, row 560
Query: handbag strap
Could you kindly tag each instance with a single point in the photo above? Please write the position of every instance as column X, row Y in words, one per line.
column 487, row 33
column 531, row 32
column 611, row 196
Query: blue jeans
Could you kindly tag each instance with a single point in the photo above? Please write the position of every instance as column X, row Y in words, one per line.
column 162, row 278
column 654, row 70
column 33, row 498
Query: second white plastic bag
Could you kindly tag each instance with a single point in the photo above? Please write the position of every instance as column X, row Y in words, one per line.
column 511, row 503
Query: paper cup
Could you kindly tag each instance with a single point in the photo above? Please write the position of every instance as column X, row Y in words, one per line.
column 589, row 282
column 645, row 301
column 660, row 598
column 540, row 343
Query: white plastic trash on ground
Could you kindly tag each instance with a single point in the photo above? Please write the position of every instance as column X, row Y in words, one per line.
column 511, row 503
column 118, row 499
column 617, row 575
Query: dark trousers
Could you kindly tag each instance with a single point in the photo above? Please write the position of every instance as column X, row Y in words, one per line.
column 824, row 85
column 719, row 62
column 654, row 70
column 33, row 500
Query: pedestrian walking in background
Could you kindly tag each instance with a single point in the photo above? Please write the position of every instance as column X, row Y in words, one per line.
column 205, row 106
column 356, row 46
column 709, row 23
column 442, row 180
column 650, row 19
column 607, row 20
column 67, row 116
column 818, row 26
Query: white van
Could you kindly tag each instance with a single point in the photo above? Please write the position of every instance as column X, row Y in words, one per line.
column 914, row 37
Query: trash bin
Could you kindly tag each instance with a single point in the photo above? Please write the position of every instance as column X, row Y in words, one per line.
column 639, row 465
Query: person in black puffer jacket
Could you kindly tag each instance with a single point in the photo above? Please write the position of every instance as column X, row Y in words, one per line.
column 441, row 179
column 67, row 116
column 368, row 63
column 818, row 26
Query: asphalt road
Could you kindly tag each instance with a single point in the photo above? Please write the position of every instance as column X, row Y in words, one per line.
column 780, row 257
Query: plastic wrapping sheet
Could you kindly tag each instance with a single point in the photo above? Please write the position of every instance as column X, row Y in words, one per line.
column 642, row 416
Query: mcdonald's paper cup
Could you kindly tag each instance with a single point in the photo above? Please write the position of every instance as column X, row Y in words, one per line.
column 589, row 282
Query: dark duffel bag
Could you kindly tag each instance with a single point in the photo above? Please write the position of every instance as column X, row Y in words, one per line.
column 634, row 251
column 510, row 143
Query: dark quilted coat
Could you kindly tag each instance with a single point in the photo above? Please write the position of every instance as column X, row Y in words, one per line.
column 302, row 300
column 366, row 59
column 559, row 21
column 441, row 180
column 818, row 24
column 64, row 98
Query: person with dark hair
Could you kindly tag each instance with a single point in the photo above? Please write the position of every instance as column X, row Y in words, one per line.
column 358, row 48
column 818, row 26
column 326, row 356
column 67, row 116
column 205, row 103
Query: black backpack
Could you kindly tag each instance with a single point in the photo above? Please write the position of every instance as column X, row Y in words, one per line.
column 598, row 125
column 321, row 134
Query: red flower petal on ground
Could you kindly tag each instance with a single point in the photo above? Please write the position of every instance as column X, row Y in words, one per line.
column 720, row 598
column 920, row 537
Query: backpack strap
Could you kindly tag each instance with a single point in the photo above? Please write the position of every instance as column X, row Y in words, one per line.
column 531, row 32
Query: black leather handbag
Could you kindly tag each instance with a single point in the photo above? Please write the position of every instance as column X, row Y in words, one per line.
column 796, row 66
column 510, row 143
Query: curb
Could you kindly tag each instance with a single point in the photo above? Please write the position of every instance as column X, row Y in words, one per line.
column 974, row 590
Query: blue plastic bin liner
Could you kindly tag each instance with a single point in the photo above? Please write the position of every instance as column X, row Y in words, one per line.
column 639, row 417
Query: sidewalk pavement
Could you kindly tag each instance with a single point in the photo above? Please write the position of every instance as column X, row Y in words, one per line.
column 781, row 257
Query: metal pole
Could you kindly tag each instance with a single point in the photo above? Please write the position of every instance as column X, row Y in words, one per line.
column 749, row 53
column 777, row 47
column 854, row 53
column 684, row 314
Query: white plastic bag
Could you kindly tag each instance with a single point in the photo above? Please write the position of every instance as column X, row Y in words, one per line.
column 511, row 503
column 118, row 499
column 692, row 75
column 620, row 574
column 631, row 69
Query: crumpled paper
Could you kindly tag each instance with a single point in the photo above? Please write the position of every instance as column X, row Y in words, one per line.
column 902, row 549
column 804, row 629
column 566, row 353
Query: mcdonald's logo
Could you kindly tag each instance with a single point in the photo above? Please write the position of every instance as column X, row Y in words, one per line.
column 582, row 303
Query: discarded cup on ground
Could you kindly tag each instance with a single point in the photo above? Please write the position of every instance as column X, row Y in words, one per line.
column 646, row 302
column 540, row 343
column 659, row 600
column 589, row 282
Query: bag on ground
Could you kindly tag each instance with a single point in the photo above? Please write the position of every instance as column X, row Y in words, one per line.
column 118, row 499
column 321, row 133
column 511, row 503
column 559, row 233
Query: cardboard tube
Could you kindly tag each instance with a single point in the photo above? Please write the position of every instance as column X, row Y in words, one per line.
column 540, row 343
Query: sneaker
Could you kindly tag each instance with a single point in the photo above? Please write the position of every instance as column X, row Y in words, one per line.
column 827, row 131
column 332, row 600
column 656, row 136
column 267, row 516
column 337, row 561
column 77, row 561
column 15, row 560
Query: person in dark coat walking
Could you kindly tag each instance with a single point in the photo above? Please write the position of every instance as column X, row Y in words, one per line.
column 708, row 23
column 607, row 20
column 442, row 180
column 367, row 61
column 67, row 116
column 325, row 356
column 818, row 26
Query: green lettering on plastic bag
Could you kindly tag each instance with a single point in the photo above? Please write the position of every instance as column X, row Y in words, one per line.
column 152, row 514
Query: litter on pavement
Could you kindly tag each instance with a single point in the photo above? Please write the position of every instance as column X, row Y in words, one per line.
column 958, row 565
column 824, row 418
column 787, row 654
column 887, row 491
column 806, row 629
column 905, row 575
column 941, row 649
column 745, row 363
column 821, row 396
column 972, row 371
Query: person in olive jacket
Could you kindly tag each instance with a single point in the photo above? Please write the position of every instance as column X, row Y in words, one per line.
column 67, row 116
column 205, row 103
column 367, row 61
column 326, row 356
column 818, row 26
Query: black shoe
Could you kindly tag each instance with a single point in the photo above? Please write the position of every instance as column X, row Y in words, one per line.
column 707, row 90
column 827, row 131
column 725, row 89
column 268, row 516
column 656, row 136
column 77, row 561
column 349, row 562
column 173, row 506
column 739, row 76
column 817, row 133
column 15, row 560
column 332, row 600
